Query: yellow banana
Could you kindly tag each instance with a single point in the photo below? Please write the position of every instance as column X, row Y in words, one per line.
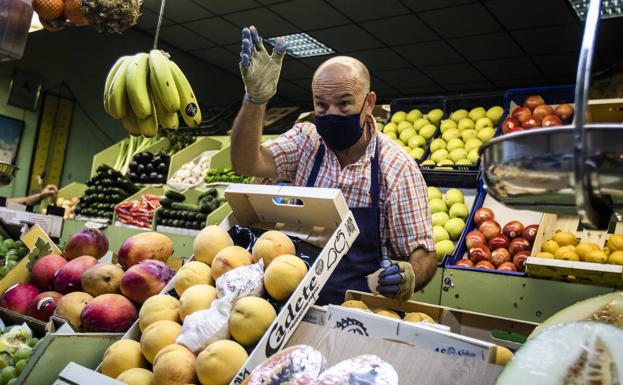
column 189, row 107
column 110, row 77
column 164, row 84
column 130, row 122
column 117, row 95
column 149, row 127
column 136, row 84
column 165, row 119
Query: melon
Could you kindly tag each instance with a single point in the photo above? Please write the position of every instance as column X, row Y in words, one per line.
column 572, row 353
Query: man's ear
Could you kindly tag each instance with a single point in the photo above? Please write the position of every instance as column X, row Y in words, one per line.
column 371, row 102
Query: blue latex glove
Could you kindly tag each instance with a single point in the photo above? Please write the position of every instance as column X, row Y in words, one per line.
column 397, row 279
column 260, row 71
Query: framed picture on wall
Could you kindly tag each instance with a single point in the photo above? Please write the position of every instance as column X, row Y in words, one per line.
column 25, row 90
column 10, row 138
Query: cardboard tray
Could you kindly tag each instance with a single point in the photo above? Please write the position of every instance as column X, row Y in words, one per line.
column 503, row 215
column 583, row 272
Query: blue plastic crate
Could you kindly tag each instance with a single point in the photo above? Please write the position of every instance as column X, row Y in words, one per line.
column 551, row 94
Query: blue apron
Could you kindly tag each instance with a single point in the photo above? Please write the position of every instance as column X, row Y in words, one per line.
column 364, row 257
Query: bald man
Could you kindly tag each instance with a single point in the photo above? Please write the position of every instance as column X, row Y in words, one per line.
column 381, row 183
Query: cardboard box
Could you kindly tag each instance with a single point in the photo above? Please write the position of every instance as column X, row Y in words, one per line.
column 583, row 272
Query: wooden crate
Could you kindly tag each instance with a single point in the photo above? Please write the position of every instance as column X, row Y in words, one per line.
column 584, row 272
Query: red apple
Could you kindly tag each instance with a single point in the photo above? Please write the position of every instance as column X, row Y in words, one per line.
column 483, row 214
column 519, row 260
column 479, row 253
column 510, row 125
column 474, row 238
column 464, row 263
column 112, row 313
column 530, row 233
column 533, row 101
column 551, row 121
column 530, row 124
column 45, row 269
column 499, row 241
column 490, row 229
column 513, row 229
column 522, row 114
column 507, row 266
column 499, row 256
column 87, row 241
column 69, row 276
column 42, row 306
column 564, row 112
column 541, row 112
column 17, row 297
column 486, row 265
column 145, row 279
column 518, row 245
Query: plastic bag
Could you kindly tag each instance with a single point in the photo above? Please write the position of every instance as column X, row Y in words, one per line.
column 361, row 370
column 203, row 327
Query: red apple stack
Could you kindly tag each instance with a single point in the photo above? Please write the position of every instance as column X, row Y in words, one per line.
column 535, row 113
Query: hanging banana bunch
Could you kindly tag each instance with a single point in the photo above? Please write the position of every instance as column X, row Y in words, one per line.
column 147, row 91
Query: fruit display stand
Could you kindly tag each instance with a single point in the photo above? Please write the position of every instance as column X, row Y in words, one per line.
column 605, row 110
column 220, row 159
column 572, row 270
column 109, row 155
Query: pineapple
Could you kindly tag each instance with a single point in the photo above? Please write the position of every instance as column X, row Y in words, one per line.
column 112, row 16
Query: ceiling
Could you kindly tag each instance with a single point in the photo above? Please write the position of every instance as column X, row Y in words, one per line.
column 412, row 47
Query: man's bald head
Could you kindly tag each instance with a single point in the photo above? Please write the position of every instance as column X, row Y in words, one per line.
column 342, row 72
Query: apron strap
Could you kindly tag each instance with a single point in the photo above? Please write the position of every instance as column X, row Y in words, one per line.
column 316, row 167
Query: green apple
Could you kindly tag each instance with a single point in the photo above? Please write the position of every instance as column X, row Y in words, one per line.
column 417, row 153
column 459, row 114
column 428, row 131
column 454, row 143
column 495, row 114
column 466, row 124
column 390, row 127
column 459, row 210
column 437, row 144
column 440, row 234
column 483, row 122
column 463, row 161
column 398, row 142
column 468, row 134
column 472, row 143
column 421, row 122
column 473, row 156
column 407, row 134
column 445, row 162
column 433, row 192
column 391, row 135
column 417, row 141
column 435, row 116
column 444, row 248
column 414, row 115
column 440, row 218
column 379, row 126
column 453, row 195
column 437, row 205
column 486, row 134
column 451, row 133
column 454, row 227
column 428, row 162
column 477, row 113
column 407, row 149
column 403, row 126
column 439, row 155
column 399, row 116
column 447, row 124
column 457, row 154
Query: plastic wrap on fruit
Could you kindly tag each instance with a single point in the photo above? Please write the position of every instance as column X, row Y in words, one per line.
column 15, row 339
column 206, row 326
column 361, row 370
column 297, row 365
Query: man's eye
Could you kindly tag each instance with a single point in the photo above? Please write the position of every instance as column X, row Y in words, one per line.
column 344, row 104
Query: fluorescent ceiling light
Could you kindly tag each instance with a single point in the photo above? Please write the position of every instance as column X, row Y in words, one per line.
column 303, row 45
column 609, row 8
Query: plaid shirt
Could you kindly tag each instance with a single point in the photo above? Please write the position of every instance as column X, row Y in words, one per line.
column 405, row 217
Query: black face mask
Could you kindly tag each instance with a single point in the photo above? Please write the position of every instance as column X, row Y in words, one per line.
column 340, row 132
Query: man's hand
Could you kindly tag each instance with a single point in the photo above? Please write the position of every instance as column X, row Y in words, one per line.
column 48, row 191
column 397, row 280
column 260, row 71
